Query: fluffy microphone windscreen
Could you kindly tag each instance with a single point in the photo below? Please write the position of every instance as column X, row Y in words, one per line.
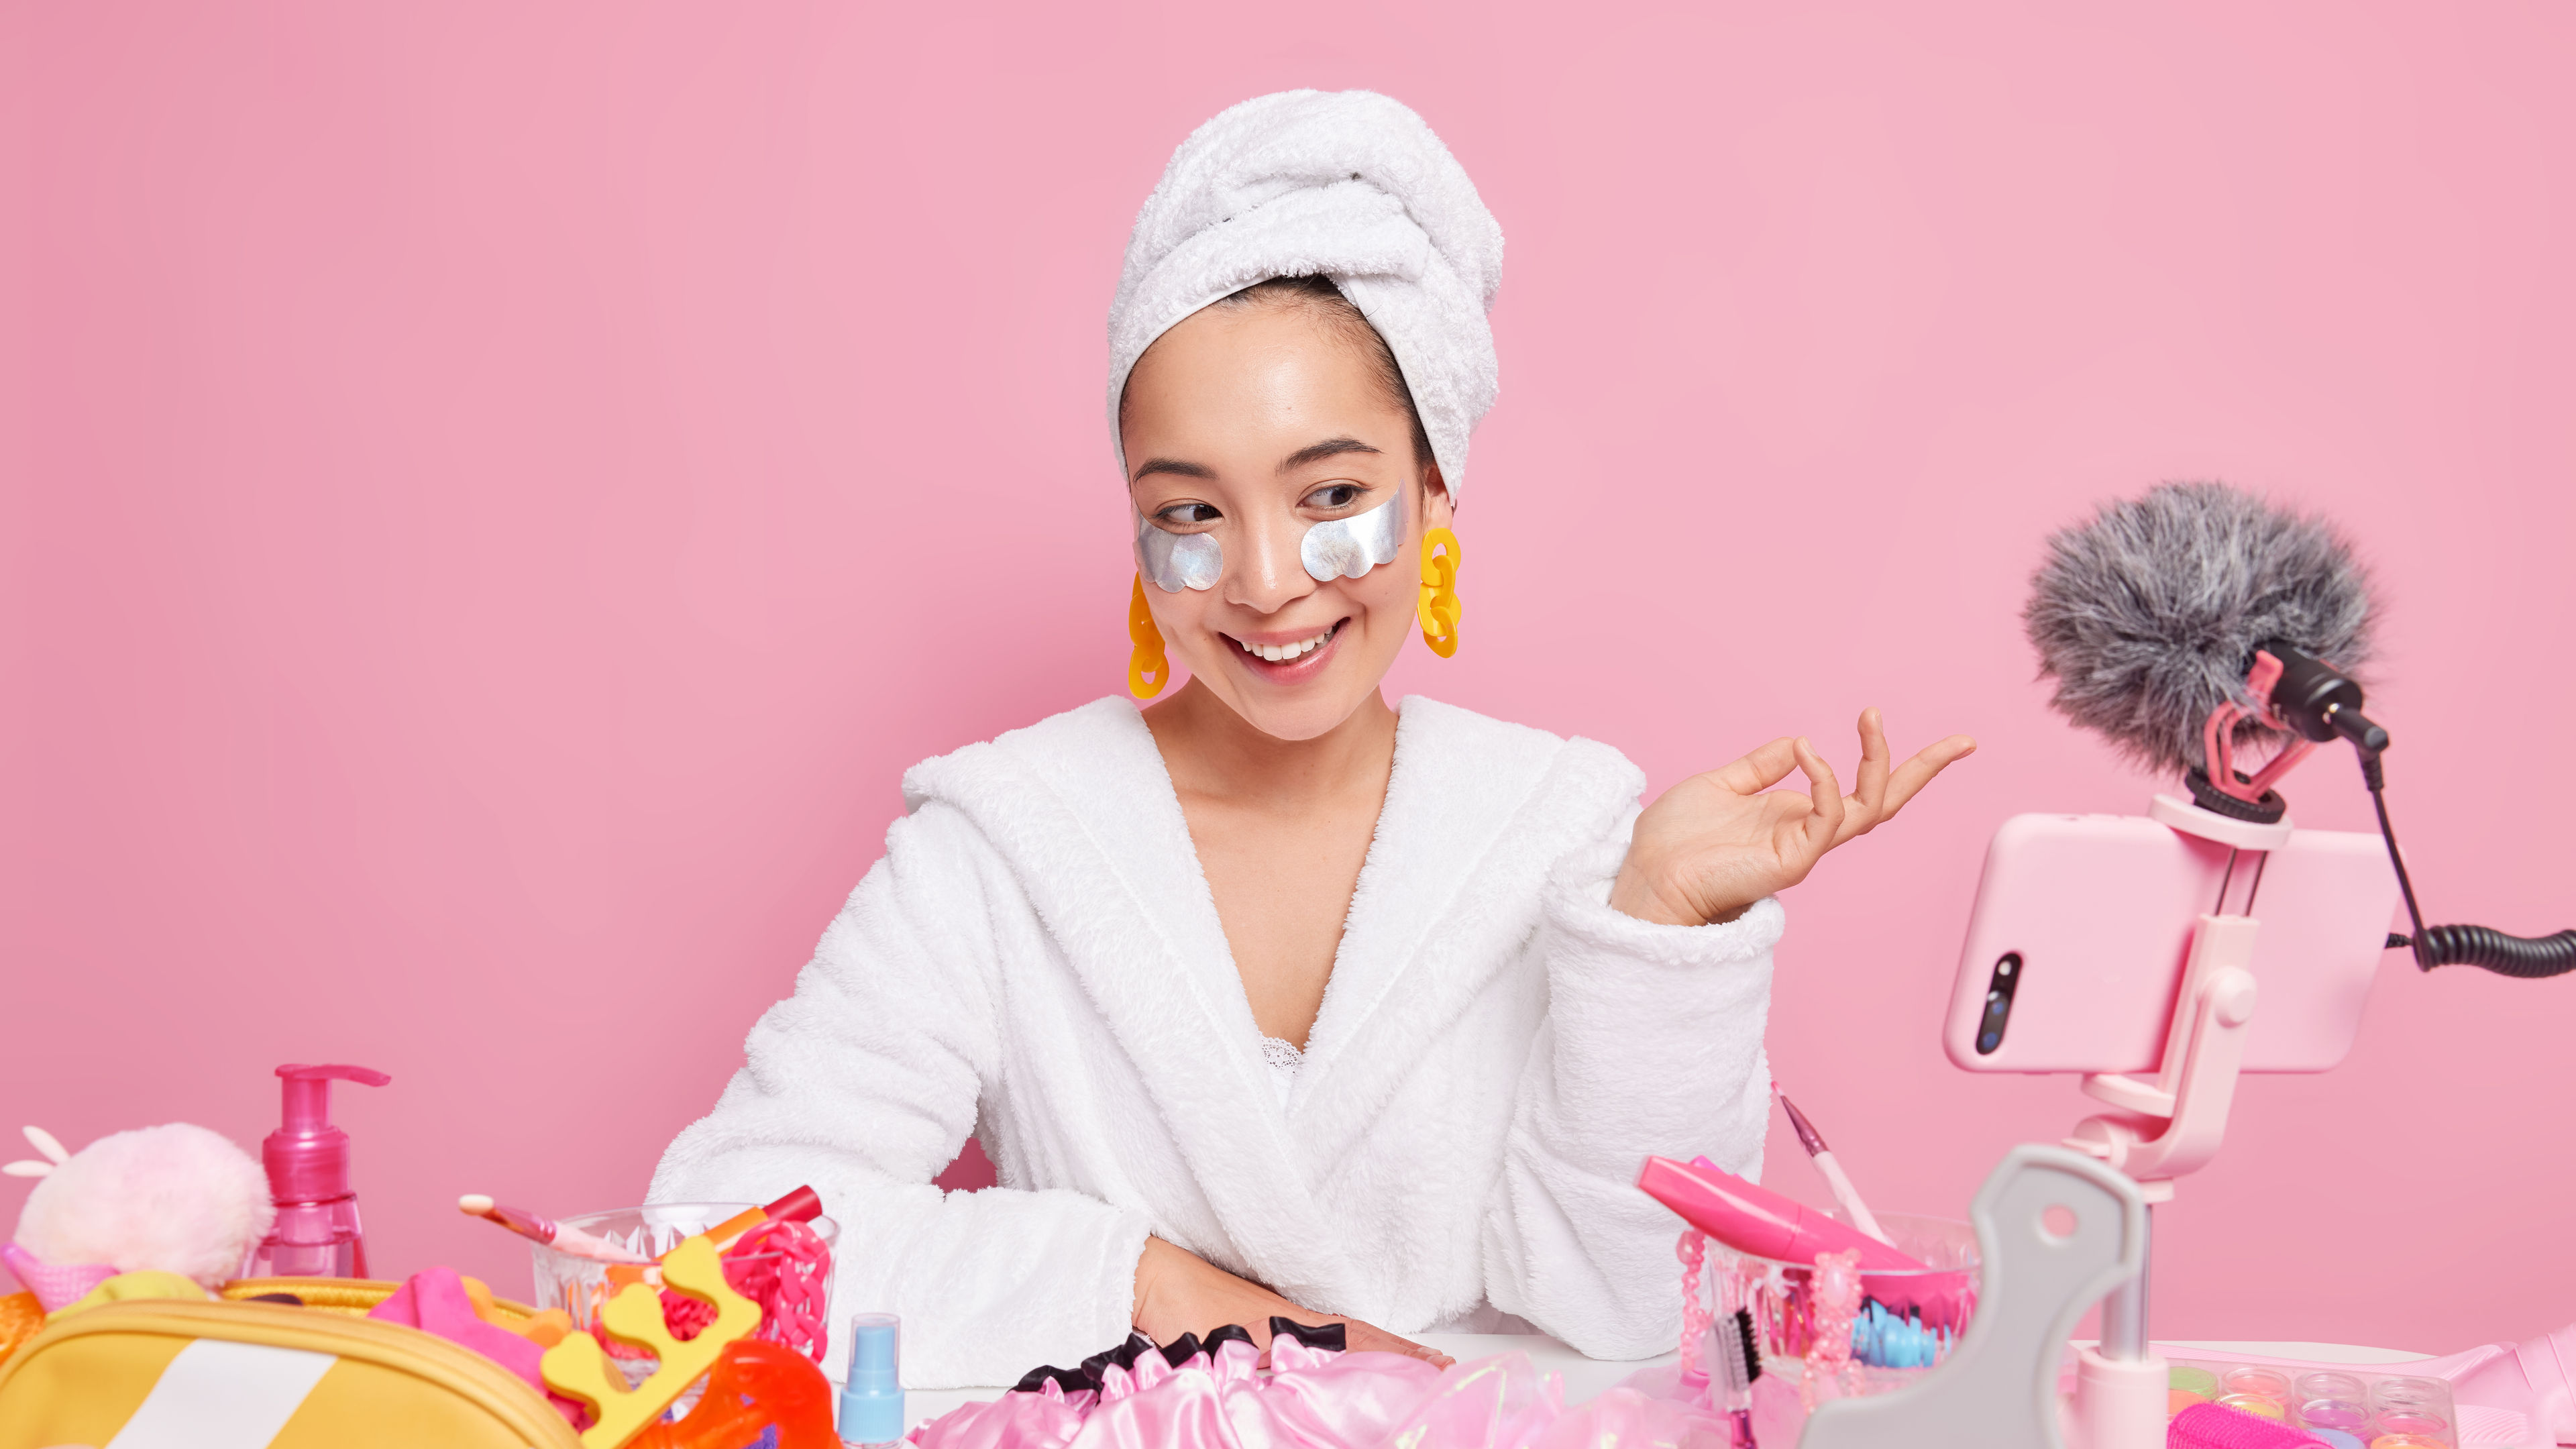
column 2148, row 616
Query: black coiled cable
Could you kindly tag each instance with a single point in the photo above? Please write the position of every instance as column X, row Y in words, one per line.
column 2482, row 946
column 2497, row 952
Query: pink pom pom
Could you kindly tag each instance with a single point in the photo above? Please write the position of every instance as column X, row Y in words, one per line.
column 171, row 1199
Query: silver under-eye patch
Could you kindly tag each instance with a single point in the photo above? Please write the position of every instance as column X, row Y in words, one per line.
column 1347, row 548
column 1177, row 561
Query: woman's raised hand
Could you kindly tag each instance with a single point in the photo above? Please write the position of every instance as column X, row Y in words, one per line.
column 1178, row 1292
column 1716, row 843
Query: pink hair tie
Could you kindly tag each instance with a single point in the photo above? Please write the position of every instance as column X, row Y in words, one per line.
column 782, row 1266
column 1692, row 1250
column 785, row 1267
column 685, row 1316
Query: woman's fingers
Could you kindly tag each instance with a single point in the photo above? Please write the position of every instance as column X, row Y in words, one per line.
column 1760, row 769
column 1869, row 792
column 1823, row 826
column 1927, row 762
column 1712, row 845
column 1368, row 1338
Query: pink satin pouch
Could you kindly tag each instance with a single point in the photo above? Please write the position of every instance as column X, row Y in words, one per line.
column 1314, row 1397
column 1321, row 1398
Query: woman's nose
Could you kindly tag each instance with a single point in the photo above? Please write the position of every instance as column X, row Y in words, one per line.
column 1272, row 575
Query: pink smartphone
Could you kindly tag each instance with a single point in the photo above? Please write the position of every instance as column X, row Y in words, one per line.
column 2075, row 951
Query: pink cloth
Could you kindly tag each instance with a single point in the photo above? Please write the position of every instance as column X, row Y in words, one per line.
column 1318, row 1398
column 2497, row 1384
column 435, row 1302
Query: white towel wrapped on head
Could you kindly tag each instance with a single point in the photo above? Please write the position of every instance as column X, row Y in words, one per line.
column 1349, row 185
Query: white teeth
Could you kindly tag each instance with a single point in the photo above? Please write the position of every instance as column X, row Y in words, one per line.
column 1281, row 653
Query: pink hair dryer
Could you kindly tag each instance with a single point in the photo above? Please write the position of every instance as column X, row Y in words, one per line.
column 1755, row 1220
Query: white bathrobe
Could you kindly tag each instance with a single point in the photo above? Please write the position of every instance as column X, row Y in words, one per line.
column 1037, row 960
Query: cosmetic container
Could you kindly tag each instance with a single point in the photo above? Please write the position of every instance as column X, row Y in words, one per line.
column 317, row 1233
column 2338, row 1408
column 2261, row 1406
column 2409, row 1393
column 872, row 1396
column 2347, row 1414
column 2193, row 1380
column 2332, row 1386
column 2264, row 1383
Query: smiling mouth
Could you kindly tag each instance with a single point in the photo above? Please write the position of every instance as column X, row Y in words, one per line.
column 1286, row 653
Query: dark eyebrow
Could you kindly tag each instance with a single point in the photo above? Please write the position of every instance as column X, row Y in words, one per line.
column 1172, row 465
column 1318, row 452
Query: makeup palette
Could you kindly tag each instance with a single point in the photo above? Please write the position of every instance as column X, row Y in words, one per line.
column 2339, row 1408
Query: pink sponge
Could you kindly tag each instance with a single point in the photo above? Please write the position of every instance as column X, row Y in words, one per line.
column 2215, row 1426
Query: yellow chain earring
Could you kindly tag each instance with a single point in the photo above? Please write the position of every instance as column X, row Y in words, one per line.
column 1438, row 606
column 1147, row 658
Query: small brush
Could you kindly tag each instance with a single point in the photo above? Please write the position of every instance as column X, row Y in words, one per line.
column 1736, row 1368
column 547, row 1231
column 1823, row 1157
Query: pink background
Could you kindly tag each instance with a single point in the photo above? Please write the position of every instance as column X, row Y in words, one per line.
column 496, row 494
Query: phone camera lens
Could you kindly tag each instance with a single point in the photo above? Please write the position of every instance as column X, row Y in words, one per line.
column 1999, row 999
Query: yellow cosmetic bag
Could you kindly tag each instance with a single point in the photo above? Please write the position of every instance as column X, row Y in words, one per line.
column 175, row 1374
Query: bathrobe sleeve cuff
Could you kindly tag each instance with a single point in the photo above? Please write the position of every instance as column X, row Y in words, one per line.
column 1655, row 1030
column 1578, row 906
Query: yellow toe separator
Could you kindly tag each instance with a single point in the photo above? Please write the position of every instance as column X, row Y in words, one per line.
column 577, row 1368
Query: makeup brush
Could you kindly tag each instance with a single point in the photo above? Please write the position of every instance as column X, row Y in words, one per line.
column 1823, row 1156
column 547, row 1231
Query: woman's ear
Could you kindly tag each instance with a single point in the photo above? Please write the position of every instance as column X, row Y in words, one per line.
column 1437, row 510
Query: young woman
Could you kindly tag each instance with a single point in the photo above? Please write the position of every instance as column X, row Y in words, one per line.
column 1271, row 999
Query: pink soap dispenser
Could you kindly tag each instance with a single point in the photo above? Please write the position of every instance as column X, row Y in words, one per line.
column 317, row 1233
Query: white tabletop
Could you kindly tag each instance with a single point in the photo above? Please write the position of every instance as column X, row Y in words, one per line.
column 1586, row 1377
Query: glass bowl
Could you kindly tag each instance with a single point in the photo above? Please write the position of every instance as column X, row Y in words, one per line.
column 582, row 1286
